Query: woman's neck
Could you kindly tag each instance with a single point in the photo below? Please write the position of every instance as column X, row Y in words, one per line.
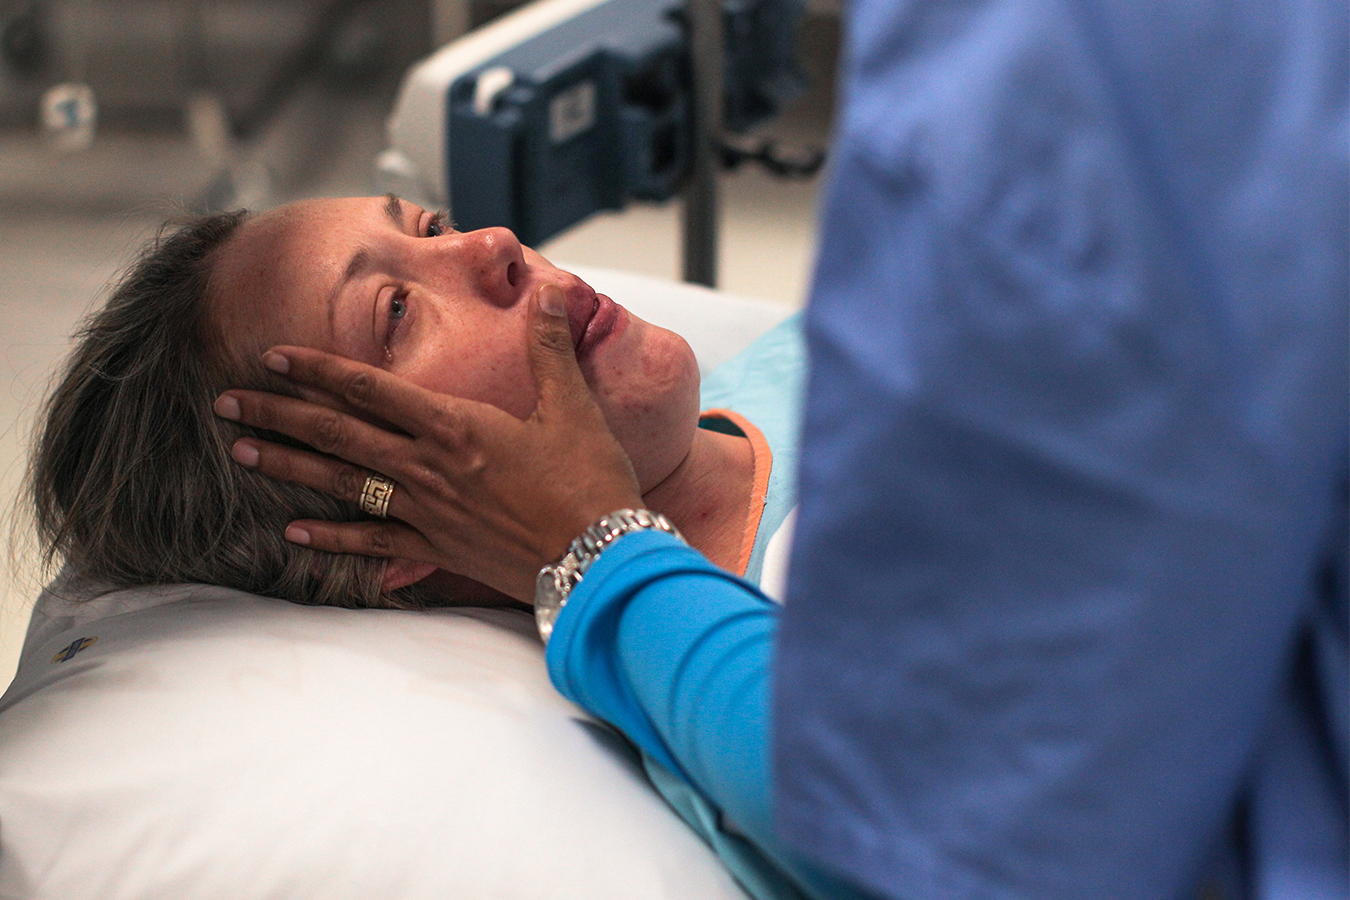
column 708, row 496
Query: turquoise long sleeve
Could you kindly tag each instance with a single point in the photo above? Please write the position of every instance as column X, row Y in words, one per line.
column 677, row 654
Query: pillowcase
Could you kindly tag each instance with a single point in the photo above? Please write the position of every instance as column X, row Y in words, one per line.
column 198, row 742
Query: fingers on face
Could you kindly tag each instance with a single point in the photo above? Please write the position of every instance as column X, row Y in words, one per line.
column 450, row 421
column 553, row 357
column 324, row 429
column 366, row 388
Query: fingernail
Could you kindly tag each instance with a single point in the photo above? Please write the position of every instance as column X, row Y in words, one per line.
column 297, row 535
column 276, row 362
column 227, row 407
column 552, row 301
column 244, row 453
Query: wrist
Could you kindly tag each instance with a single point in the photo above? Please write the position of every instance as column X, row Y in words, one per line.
column 555, row 582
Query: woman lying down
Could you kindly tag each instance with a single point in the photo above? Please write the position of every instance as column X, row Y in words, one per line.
column 144, row 473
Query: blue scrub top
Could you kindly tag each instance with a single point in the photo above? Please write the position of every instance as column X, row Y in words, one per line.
column 1067, row 609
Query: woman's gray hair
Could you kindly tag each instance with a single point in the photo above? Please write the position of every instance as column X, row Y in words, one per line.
column 131, row 478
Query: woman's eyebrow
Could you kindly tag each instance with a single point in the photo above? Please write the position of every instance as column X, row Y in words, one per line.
column 393, row 210
column 360, row 260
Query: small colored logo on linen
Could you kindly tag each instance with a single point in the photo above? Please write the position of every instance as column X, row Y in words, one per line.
column 69, row 651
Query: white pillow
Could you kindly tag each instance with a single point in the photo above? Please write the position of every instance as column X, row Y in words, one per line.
column 221, row 745
column 208, row 743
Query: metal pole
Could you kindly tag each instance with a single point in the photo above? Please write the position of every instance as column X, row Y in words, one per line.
column 700, row 193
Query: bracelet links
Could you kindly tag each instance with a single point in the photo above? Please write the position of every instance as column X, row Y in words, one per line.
column 555, row 581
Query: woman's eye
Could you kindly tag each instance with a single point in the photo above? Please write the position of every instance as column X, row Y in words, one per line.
column 438, row 225
column 395, row 314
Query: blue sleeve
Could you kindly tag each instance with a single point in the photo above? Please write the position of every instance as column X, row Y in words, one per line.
column 677, row 654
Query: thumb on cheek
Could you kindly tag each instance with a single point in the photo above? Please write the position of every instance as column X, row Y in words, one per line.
column 552, row 301
column 552, row 354
column 553, row 331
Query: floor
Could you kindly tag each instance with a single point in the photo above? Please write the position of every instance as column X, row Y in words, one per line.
column 69, row 223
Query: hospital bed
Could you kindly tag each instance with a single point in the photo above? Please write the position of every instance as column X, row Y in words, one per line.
column 197, row 742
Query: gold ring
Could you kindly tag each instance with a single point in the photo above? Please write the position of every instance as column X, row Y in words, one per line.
column 375, row 495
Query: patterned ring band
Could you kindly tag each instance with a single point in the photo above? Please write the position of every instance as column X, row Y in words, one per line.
column 375, row 495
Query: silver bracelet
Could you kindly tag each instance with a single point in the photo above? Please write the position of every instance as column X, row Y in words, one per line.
column 555, row 581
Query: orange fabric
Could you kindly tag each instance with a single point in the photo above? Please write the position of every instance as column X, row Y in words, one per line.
column 759, row 491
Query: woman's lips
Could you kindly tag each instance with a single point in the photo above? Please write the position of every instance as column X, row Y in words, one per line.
column 604, row 316
column 591, row 316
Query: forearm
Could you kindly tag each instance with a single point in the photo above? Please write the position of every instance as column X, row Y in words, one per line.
column 677, row 654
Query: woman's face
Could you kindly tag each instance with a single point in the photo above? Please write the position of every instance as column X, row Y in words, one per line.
column 385, row 282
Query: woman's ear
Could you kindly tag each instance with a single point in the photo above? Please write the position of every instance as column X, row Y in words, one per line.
column 400, row 573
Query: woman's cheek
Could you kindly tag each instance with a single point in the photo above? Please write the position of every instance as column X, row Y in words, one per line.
column 493, row 369
column 652, row 408
column 660, row 383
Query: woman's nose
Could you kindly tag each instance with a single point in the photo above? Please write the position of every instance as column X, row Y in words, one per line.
column 495, row 260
